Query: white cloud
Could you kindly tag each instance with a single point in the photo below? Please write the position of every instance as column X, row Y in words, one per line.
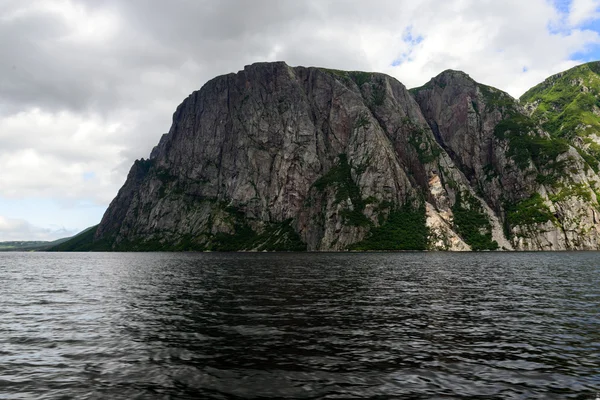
column 581, row 11
column 49, row 154
column 86, row 86
column 505, row 44
column 12, row 229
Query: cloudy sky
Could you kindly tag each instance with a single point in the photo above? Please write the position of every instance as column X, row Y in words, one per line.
column 88, row 86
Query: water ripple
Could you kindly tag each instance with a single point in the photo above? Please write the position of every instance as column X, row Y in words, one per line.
column 300, row 326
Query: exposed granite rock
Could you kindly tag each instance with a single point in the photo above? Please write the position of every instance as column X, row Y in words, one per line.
column 282, row 158
column 441, row 236
column 509, row 159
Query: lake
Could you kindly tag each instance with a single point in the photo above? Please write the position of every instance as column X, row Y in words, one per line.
column 299, row 326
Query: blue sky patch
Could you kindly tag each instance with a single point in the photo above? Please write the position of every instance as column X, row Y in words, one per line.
column 592, row 52
column 410, row 39
column 562, row 5
column 42, row 213
column 88, row 176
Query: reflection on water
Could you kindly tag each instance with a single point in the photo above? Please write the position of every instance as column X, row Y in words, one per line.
column 395, row 325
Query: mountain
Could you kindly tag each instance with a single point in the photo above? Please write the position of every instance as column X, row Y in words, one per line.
column 542, row 189
column 567, row 105
column 292, row 158
column 83, row 241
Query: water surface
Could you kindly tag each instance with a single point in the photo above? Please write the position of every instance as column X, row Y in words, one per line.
column 301, row 326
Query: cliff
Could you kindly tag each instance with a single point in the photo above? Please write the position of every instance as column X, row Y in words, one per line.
column 282, row 158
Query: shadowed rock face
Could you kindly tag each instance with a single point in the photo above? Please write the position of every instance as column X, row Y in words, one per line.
column 463, row 116
column 282, row 158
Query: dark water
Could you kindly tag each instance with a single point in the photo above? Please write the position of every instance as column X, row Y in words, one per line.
column 306, row 326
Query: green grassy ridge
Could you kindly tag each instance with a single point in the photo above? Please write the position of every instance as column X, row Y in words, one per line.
column 564, row 105
column 497, row 99
column 83, row 241
column 567, row 110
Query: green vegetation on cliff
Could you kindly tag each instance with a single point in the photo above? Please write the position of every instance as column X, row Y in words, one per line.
column 427, row 152
column 222, row 186
column 496, row 99
column 526, row 144
column 529, row 211
column 404, row 229
column 358, row 77
column 339, row 178
column 472, row 224
column 275, row 237
column 83, row 241
column 568, row 104
column 279, row 236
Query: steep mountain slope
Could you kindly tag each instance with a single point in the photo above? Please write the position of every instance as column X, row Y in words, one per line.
column 282, row 158
column 83, row 241
column 542, row 189
column 567, row 105
column 278, row 158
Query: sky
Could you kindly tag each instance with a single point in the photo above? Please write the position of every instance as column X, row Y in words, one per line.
column 88, row 86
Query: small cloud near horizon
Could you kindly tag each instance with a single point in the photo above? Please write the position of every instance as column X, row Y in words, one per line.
column 13, row 230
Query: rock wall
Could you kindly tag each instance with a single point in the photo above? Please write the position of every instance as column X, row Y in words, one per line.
column 282, row 158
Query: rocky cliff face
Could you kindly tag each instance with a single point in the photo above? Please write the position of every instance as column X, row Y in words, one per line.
column 282, row 158
column 542, row 189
